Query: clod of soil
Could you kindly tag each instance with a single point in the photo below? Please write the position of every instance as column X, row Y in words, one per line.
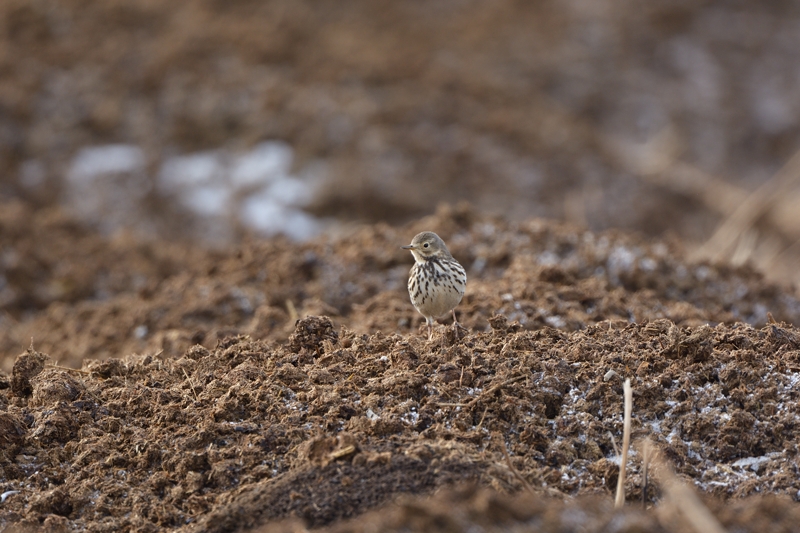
column 27, row 366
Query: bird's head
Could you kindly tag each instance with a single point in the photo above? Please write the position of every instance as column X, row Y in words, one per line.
column 427, row 245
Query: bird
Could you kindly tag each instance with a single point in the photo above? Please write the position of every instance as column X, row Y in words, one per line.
column 437, row 281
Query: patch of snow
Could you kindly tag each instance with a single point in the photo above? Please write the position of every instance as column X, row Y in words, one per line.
column 224, row 188
column 92, row 163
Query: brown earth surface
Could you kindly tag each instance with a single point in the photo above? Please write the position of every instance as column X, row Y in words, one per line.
column 151, row 384
column 283, row 385
column 660, row 117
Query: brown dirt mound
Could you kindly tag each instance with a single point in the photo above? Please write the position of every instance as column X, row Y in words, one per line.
column 102, row 298
column 236, row 415
column 225, row 439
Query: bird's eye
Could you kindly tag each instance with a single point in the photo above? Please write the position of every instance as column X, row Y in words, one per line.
column 425, row 245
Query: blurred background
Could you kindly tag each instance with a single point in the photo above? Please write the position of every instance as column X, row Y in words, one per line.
column 207, row 120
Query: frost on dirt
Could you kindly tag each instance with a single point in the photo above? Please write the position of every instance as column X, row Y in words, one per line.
column 754, row 463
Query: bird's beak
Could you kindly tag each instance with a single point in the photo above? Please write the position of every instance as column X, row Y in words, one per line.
column 408, row 247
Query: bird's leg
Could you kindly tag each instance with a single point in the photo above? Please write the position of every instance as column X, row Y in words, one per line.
column 455, row 325
column 430, row 328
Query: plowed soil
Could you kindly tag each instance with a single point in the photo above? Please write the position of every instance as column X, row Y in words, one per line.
column 156, row 385
column 151, row 386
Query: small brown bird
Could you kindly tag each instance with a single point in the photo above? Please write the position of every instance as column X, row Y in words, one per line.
column 436, row 282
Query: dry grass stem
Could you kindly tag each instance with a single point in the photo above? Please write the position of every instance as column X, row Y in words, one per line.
column 748, row 212
column 619, row 501
column 682, row 497
column 658, row 162
column 514, row 471
column 613, row 443
column 292, row 310
column 347, row 450
column 646, row 448
column 189, row 380
column 68, row 369
column 491, row 390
